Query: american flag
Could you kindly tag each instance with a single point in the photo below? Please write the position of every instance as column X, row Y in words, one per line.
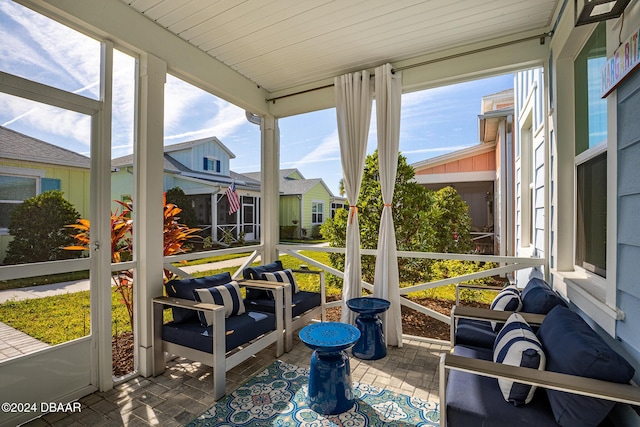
column 234, row 200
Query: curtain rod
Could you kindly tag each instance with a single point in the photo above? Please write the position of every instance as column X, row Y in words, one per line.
column 540, row 37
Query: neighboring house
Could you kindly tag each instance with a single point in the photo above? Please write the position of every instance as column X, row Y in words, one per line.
column 28, row 167
column 304, row 203
column 201, row 169
column 482, row 174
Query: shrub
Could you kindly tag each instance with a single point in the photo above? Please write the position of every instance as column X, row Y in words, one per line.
column 177, row 197
column 38, row 229
column 175, row 239
column 288, row 231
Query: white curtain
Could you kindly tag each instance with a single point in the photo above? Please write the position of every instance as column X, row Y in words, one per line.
column 388, row 91
column 353, row 107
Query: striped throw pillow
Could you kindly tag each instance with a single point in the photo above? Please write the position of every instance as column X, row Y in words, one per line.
column 283, row 276
column 227, row 295
column 517, row 345
column 507, row 299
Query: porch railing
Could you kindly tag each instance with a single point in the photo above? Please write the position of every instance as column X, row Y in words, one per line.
column 505, row 265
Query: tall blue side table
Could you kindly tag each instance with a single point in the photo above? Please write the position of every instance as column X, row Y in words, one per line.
column 330, row 387
column 371, row 345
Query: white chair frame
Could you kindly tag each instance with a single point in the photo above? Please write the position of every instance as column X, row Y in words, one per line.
column 219, row 360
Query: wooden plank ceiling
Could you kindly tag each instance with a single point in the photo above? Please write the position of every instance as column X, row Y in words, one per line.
column 280, row 44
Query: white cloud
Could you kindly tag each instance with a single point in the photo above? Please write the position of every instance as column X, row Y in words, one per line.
column 49, row 52
column 328, row 150
column 182, row 102
column 44, row 118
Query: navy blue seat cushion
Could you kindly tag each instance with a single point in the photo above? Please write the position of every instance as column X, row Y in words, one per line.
column 255, row 273
column 184, row 289
column 301, row 301
column 538, row 297
column 572, row 347
column 240, row 330
column 475, row 333
column 475, row 400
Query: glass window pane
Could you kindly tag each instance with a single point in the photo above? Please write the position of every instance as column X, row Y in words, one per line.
column 16, row 188
column 591, row 109
column 591, row 232
column 36, row 156
column 42, row 50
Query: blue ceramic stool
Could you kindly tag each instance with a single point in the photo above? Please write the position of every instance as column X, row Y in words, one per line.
column 330, row 387
column 371, row 345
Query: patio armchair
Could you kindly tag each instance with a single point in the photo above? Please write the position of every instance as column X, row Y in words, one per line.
column 300, row 307
column 212, row 324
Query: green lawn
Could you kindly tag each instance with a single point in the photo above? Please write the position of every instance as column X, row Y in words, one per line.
column 65, row 317
column 59, row 318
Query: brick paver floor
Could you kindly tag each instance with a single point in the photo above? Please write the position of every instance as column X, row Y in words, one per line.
column 185, row 389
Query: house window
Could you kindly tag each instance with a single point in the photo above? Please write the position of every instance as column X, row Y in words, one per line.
column 334, row 208
column 591, row 156
column 13, row 191
column 211, row 164
column 317, row 212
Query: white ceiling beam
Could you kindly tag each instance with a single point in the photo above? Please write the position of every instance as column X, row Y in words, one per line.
column 436, row 71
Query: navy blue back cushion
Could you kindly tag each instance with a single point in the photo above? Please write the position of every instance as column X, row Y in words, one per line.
column 184, row 289
column 255, row 273
column 538, row 297
column 572, row 347
column 476, row 333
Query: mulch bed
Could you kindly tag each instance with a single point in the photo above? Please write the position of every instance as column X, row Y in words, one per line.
column 122, row 353
column 413, row 323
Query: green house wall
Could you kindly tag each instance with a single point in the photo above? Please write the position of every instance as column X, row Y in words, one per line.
column 318, row 193
column 289, row 210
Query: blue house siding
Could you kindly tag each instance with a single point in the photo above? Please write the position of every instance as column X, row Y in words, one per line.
column 628, row 200
column 193, row 157
column 529, row 104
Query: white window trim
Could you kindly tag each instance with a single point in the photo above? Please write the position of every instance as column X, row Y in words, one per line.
column 214, row 160
column 314, row 202
column 592, row 294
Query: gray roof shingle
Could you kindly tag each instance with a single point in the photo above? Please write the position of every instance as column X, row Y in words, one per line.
column 17, row 146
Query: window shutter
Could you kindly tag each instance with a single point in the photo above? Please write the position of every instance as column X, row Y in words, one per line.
column 50, row 184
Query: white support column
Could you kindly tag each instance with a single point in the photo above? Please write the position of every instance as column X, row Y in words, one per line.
column 148, row 208
column 214, row 216
column 100, row 228
column 270, row 191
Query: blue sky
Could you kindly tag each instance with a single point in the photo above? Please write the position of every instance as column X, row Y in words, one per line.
column 434, row 122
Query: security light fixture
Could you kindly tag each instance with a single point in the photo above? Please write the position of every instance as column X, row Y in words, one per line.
column 590, row 11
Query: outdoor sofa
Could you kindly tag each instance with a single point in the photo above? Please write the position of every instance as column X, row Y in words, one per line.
column 579, row 383
column 209, row 326
column 537, row 298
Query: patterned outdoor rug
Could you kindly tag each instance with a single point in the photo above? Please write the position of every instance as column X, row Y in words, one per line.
column 277, row 397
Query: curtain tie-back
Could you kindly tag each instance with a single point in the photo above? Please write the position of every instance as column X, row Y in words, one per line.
column 387, row 205
column 353, row 209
